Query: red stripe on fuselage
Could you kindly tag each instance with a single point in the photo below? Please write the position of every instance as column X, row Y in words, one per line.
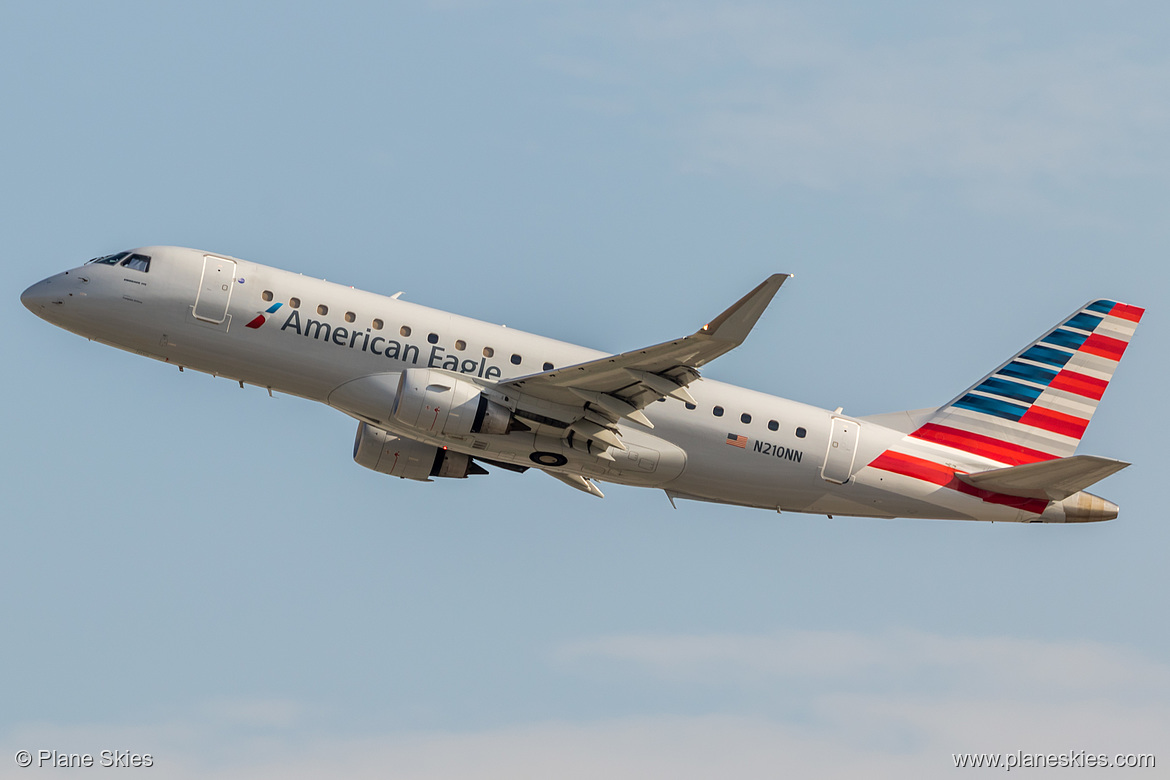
column 978, row 444
column 910, row 466
column 1080, row 384
column 1125, row 312
column 943, row 476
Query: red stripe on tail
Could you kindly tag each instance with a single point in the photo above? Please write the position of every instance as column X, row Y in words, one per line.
column 978, row 444
column 1057, row 422
column 1126, row 312
column 1080, row 384
column 1104, row 346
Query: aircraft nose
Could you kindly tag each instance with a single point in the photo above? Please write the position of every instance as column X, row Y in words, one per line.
column 36, row 297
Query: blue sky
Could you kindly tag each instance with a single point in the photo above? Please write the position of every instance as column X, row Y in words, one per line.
column 202, row 573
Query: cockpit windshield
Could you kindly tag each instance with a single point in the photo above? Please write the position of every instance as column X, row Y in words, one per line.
column 137, row 262
column 108, row 259
column 133, row 261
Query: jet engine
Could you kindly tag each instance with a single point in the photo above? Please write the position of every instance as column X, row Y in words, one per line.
column 439, row 403
column 384, row 452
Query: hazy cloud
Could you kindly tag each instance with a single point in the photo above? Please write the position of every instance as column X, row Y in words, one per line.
column 883, row 706
column 988, row 664
column 776, row 95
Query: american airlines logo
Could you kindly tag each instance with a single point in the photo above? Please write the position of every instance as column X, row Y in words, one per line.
column 256, row 323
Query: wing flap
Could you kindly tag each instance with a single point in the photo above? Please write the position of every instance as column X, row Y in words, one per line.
column 578, row 482
column 1054, row 480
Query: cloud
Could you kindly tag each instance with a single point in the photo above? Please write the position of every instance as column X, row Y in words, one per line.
column 998, row 664
column 890, row 705
column 775, row 95
column 652, row 747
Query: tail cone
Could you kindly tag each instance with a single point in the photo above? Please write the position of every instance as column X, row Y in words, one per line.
column 1087, row 508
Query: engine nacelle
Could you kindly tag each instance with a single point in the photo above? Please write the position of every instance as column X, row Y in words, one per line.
column 384, row 452
column 437, row 403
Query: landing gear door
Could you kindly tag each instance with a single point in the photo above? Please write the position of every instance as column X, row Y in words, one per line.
column 215, row 289
column 842, row 451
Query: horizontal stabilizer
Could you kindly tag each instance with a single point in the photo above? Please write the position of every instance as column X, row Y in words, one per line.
column 1054, row 480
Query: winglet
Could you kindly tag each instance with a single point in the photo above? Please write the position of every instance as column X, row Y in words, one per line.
column 734, row 324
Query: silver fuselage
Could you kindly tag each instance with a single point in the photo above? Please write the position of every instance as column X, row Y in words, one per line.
column 325, row 336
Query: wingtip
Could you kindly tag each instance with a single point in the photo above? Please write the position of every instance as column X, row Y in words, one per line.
column 736, row 321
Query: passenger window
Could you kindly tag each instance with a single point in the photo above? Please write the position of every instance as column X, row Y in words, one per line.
column 548, row 366
column 773, row 425
column 404, row 330
column 266, row 295
column 137, row 263
column 294, row 303
column 692, row 407
column 432, row 338
column 717, row 411
column 377, row 323
column 349, row 316
column 488, row 352
column 322, row 309
column 745, row 418
column 800, row 433
column 460, row 344
column 516, row 360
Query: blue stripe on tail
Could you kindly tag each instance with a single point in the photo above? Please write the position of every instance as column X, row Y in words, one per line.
column 1065, row 338
column 1028, row 372
column 1084, row 321
column 1053, row 357
column 992, row 406
column 1008, row 389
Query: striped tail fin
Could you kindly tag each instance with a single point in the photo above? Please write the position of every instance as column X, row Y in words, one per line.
column 1037, row 405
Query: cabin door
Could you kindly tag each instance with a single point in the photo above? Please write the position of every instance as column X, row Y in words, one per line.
column 215, row 289
column 842, row 450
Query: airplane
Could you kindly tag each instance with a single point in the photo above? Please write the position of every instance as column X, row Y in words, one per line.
column 439, row 395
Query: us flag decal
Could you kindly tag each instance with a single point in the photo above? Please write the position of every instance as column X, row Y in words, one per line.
column 737, row 441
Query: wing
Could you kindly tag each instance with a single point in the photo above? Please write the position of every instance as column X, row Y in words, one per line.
column 620, row 386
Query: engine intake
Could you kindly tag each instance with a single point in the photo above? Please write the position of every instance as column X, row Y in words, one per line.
column 386, row 453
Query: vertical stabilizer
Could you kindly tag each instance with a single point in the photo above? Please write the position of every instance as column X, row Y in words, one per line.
column 1037, row 405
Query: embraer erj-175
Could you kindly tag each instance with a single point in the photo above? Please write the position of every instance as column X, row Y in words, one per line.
column 437, row 395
